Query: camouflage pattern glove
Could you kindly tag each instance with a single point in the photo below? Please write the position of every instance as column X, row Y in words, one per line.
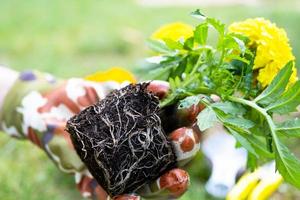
column 38, row 106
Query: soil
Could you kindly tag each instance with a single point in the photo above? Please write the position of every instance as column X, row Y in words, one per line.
column 121, row 140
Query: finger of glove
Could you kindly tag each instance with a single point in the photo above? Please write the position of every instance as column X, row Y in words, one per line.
column 88, row 188
column 127, row 197
column 179, row 117
column 188, row 116
column 186, row 143
column 159, row 88
column 100, row 194
column 173, row 118
column 57, row 97
column 73, row 96
column 89, row 98
column 172, row 184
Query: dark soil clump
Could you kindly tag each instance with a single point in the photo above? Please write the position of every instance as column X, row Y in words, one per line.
column 121, row 140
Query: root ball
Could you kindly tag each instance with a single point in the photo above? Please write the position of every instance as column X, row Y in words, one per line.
column 121, row 140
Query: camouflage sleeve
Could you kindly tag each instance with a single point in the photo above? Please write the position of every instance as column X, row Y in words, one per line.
column 37, row 108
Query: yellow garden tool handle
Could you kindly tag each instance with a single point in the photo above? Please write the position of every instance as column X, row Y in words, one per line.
column 266, row 188
column 253, row 186
column 244, row 187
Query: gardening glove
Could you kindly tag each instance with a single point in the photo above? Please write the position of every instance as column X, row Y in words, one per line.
column 258, row 185
column 38, row 106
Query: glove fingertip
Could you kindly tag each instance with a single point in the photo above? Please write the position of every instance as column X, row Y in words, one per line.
column 159, row 88
column 176, row 181
column 186, row 144
column 127, row 197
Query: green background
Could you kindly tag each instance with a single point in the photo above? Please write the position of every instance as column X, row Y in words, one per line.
column 75, row 38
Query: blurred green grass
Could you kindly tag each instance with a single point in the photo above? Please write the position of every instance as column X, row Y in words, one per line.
column 75, row 38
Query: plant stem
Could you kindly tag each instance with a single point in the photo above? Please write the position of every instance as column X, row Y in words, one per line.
column 262, row 111
column 202, row 90
column 176, row 98
column 282, row 156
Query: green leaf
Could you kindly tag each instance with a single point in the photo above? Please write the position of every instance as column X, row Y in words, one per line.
column 177, row 81
column 172, row 83
column 200, row 33
column 229, row 108
column 238, row 124
column 289, row 128
column 206, row 119
column 197, row 14
column 237, row 57
column 241, row 44
column 162, row 70
column 189, row 43
column 287, row 164
column 172, row 44
column 251, row 162
column 288, row 101
column 217, row 24
column 252, row 143
column 277, row 86
column 231, row 42
column 157, row 74
column 243, row 141
column 159, row 46
column 191, row 100
column 259, row 146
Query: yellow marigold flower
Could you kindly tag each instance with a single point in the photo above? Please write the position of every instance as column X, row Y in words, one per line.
column 174, row 31
column 117, row 74
column 272, row 47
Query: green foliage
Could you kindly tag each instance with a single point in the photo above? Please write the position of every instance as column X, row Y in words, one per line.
column 277, row 86
column 287, row 164
column 288, row 101
column 158, row 46
column 206, row 119
column 191, row 100
column 244, row 141
column 226, row 69
column 194, row 66
column 229, row 108
column 240, row 124
column 200, row 34
column 289, row 128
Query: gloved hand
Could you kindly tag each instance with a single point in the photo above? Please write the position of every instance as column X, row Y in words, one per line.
column 42, row 105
